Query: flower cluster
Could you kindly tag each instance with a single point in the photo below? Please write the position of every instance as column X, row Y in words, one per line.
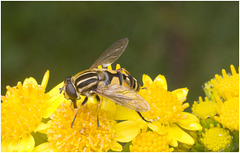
column 219, row 113
column 35, row 120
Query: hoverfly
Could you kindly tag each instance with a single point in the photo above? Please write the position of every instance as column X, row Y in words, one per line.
column 116, row 85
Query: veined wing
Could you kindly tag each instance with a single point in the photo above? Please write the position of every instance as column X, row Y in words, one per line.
column 111, row 54
column 123, row 96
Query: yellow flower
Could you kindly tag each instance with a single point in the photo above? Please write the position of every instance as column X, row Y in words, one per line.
column 216, row 139
column 85, row 134
column 226, row 83
column 23, row 108
column 204, row 109
column 225, row 91
column 228, row 112
column 150, row 141
column 166, row 114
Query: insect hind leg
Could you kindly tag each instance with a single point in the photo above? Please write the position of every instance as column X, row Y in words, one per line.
column 143, row 117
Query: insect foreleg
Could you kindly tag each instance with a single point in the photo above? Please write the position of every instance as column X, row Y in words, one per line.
column 74, row 119
column 74, row 104
column 98, row 105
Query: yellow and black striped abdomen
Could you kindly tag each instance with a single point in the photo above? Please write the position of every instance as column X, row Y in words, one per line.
column 88, row 80
column 117, row 77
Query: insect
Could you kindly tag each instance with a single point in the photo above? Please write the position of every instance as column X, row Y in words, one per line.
column 116, row 85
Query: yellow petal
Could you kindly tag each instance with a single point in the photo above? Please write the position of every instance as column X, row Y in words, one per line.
column 55, row 100
column 43, row 127
column 180, row 135
column 181, row 94
column 158, row 127
column 27, row 143
column 44, row 147
column 13, row 146
column 146, row 80
column 126, row 130
column 109, row 107
column 172, row 139
column 4, row 145
column 123, row 113
column 53, row 103
column 55, row 91
column 161, row 80
column 116, row 147
column 45, row 79
column 153, row 127
column 189, row 122
column 30, row 80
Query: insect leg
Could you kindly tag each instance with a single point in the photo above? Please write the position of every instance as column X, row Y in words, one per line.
column 74, row 119
column 84, row 101
column 143, row 117
column 98, row 102
column 74, row 104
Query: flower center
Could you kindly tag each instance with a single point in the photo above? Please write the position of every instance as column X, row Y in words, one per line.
column 85, row 134
column 150, row 142
column 230, row 84
column 204, row 109
column 229, row 113
column 165, row 107
column 216, row 138
column 22, row 110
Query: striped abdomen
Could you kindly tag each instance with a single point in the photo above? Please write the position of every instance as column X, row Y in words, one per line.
column 89, row 80
column 116, row 77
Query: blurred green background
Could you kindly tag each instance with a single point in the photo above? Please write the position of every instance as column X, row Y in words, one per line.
column 187, row 42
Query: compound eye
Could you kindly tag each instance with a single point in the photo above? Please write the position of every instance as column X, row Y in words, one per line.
column 71, row 91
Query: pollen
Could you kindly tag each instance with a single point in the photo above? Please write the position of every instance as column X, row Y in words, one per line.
column 165, row 107
column 216, row 138
column 204, row 109
column 227, row 83
column 22, row 110
column 150, row 142
column 85, row 135
column 229, row 113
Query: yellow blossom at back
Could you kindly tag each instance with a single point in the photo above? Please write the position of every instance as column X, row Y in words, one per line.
column 227, row 83
column 216, row 138
column 229, row 113
column 204, row 109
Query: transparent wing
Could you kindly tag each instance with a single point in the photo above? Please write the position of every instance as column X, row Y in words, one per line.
column 123, row 96
column 111, row 54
